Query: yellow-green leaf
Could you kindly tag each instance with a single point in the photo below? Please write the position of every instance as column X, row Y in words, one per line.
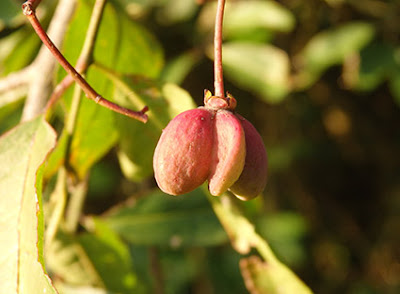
column 331, row 47
column 22, row 152
column 262, row 69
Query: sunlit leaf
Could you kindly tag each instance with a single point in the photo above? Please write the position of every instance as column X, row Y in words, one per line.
column 70, row 289
column 248, row 15
column 68, row 260
column 262, row 69
column 245, row 17
column 174, row 11
column 331, row 47
column 161, row 219
column 95, row 132
column 121, row 44
column 22, row 152
column 165, row 101
column 97, row 261
column 264, row 278
column 57, row 157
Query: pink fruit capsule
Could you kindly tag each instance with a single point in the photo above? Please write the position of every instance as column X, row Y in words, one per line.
column 253, row 178
column 211, row 143
column 229, row 152
column 182, row 157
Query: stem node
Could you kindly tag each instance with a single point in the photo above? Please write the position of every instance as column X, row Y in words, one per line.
column 27, row 8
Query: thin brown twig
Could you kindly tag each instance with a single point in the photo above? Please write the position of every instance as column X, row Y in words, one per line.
column 218, row 72
column 29, row 12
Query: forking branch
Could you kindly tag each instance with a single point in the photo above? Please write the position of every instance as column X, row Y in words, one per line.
column 28, row 9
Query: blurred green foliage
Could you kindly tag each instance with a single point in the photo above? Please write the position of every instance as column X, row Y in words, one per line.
column 320, row 80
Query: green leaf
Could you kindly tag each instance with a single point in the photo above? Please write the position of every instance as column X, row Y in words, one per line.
column 262, row 69
column 10, row 100
column 377, row 63
column 249, row 15
column 179, row 270
column 271, row 276
column 10, row 12
column 110, row 257
column 222, row 264
column 10, row 110
column 331, row 47
column 95, row 132
column 18, row 49
column 125, row 47
column 70, row 289
column 22, row 152
column 175, row 11
column 176, row 70
column 121, row 44
column 285, row 232
column 246, row 17
column 57, row 157
column 165, row 101
column 67, row 260
column 161, row 219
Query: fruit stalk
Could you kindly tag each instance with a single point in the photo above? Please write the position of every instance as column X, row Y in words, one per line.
column 218, row 72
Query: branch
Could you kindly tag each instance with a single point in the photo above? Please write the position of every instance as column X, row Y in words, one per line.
column 14, row 87
column 29, row 12
column 15, row 80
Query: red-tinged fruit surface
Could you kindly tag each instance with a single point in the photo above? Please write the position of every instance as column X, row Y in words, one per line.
column 215, row 144
column 228, row 154
column 182, row 157
column 253, row 179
